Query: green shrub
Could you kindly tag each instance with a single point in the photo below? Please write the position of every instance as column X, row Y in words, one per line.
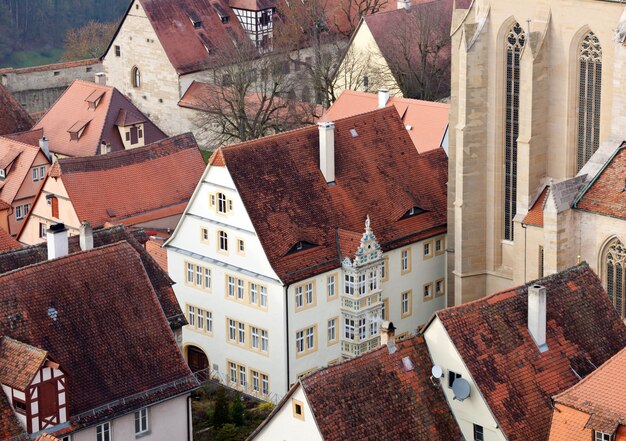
column 220, row 415
column 227, row 433
column 237, row 410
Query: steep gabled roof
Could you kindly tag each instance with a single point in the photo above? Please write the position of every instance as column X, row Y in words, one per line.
column 20, row 157
column 378, row 173
column 8, row 242
column 374, row 397
column 601, row 395
column 535, row 214
column 427, row 120
column 97, row 314
column 19, row 363
column 30, row 255
column 126, row 184
column 72, row 111
column 515, row 378
column 606, row 193
column 14, row 117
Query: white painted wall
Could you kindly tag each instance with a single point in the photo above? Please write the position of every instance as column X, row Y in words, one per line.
column 473, row 410
column 167, row 422
column 285, row 427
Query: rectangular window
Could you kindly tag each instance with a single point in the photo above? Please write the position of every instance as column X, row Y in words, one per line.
column 478, row 433
column 439, row 246
column 35, row 174
column 200, row 318
column 204, row 234
column 308, row 293
column 384, row 272
column 310, row 339
column 263, row 297
column 240, row 246
column 232, row 330
column 207, row 278
column 299, row 297
column 254, row 293
column 19, row 405
column 405, row 261
column 21, row 211
column 209, row 321
column 374, row 281
column 103, row 432
column 451, row 377
column 439, row 287
column 190, row 273
column 362, row 329
column 256, row 386
column 254, row 332
column 428, row 291
column 332, row 331
column 601, row 436
column 232, row 372
column 242, row 376
column 43, row 230
column 198, row 275
column 331, row 288
column 406, row 304
column 191, row 315
column 42, row 172
column 362, row 284
column 240, row 289
column 265, row 342
column 231, row 286
column 141, row 421
column 349, row 284
column 242, row 333
column 300, row 342
column 265, row 384
column 541, row 263
column 349, row 328
column 306, row 340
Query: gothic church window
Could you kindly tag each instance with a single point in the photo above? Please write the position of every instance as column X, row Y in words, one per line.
column 589, row 95
column 614, row 264
column 136, row 77
column 515, row 40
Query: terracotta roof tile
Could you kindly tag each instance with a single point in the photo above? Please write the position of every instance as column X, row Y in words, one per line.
column 606, row 195
column 72, row 110
column 428, row 120
column 14, row 117
column 133, row 183
column 601, row 394
column 30, row 255
column 8, row 242
column 535, row 214
column 72, row 308
column 569, row 425
column 19, row 363
column 10, row 427
column 184, row 44
column 30, row 137
column 54, row 66
column 158, row 253
column 23, row 156
column 288, row 199
column 373, row 397
column 583, row 330
column 46, row 437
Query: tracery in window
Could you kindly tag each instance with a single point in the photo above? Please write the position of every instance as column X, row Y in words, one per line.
column 614, row 264
column 589, row 98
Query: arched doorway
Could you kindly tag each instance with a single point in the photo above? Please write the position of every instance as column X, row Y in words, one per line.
column 198, row 362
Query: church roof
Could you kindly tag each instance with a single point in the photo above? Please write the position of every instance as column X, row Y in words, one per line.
column 378, row 173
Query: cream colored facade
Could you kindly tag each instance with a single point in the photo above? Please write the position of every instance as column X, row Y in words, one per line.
column 281, row 361
column 364, row 58
column 480, row 260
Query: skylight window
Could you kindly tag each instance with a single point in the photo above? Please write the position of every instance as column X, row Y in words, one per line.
column 354, row 133
column 414, row 211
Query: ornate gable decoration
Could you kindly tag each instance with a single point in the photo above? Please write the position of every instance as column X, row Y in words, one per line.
column 368, row 251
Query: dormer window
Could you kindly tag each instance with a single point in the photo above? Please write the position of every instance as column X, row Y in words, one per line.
column 94, row 99
column 76, row 131
column 3, row 173
column 195, row 20
column 301, row 246
column 413, row 212
column 221, row 13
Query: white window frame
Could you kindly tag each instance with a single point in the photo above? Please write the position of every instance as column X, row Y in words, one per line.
column 103, row 432
column 223, row 240
column 331, row 286
column 221, row 203
column 142, row 424
column 265, row 341
column 263, row 296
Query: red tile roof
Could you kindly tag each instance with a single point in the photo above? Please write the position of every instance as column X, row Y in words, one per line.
column 583, row 331
column 21, row 156
column 428, row 121
column 7, row 242
column 19, row 363
column 535, row 214
column 54, row 66
column 252, row 5
column 184, row 45
column 30, row 255
column 72, row 308
column 10, row 427
column 602, row 394
column 158, row 253
column 72, row 110
column 605, row 194
column 30, row 137
column 373, row 397
column 14, row 117
column 133, row 183
column 378, row 173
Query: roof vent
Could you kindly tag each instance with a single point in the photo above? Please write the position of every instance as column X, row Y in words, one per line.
column 461, row 389
column 408, row 364
column 111, row 212
column 354, row 133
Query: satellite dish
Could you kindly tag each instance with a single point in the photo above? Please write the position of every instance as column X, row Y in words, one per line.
column 461, row 389
column 437, row 371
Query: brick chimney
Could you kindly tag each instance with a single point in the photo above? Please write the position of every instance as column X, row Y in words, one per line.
column 44, row 145
column 383, row 97
column 403, row 4
column 327, row 150
column 537, row 315
column 101, row 78
column 57, row 241
column 86, row 236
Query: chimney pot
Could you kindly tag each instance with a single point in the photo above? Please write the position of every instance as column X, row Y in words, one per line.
column 388, row 334
column 44, row 145
column 57, row 241
column 86, row 236
column 537, row 315
column 101, row 79
column 383, row 97
column 404, row 4
column 327, row 150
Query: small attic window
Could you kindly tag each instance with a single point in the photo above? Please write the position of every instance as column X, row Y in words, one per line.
column 195, row 20
column 413, row 212
column 301, row 246
column 354, row 133
column 76, row 131
column 94, row 98
column 221, row 13
column 3, row 173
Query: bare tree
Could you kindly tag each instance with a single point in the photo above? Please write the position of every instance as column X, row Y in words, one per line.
column 252, row 96
column 88, row 41
column 417, row 51
column 350, row 13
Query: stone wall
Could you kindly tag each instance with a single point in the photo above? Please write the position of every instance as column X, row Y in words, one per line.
column 37, row 88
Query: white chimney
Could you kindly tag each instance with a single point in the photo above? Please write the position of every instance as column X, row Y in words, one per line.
column 86, row 236
column 45, row 146
column 387, row 334
column 537, row 315
column 327, row 150
column 101, row 78
column 57, row 241
column 383, row 97
column 404, row 4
